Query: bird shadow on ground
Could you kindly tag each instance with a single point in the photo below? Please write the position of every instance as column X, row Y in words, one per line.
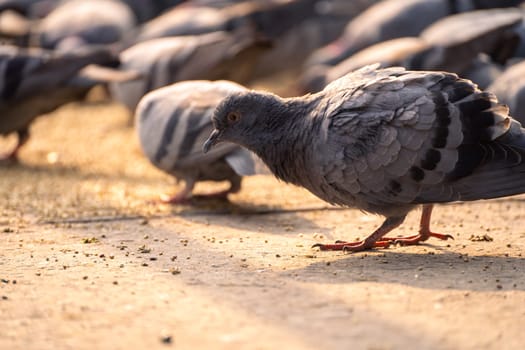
column 443, row 270
column 14, row 169
column 72, row 172
column 274, row 219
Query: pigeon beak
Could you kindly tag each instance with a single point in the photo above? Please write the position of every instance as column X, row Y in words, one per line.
column 211, row 141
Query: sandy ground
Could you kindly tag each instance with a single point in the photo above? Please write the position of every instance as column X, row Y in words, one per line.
column 88, row 261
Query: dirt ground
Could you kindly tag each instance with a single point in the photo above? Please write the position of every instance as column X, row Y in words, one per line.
column 90, row 261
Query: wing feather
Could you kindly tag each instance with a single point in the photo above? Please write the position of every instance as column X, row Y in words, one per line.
column 417, row 137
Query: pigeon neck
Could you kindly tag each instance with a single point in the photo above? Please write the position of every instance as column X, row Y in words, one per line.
column 284, row 150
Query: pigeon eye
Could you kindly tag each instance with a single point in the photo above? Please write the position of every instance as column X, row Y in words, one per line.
column 233, row 117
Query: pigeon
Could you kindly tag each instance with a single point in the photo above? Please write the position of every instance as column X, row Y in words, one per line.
column 35, row 82
column 385, row 20
column 391, row 19
column 492, row 31
column 297, row 28
column 172, row 123
column 165, row 61
column 146, row 10
column 84, row 22
column 264, row 16
column 483, row 71
column 294, row 27
column 384, row 141
column 394, row 52
column 452, row 44
column 29, row 8
column 181, row 20
column 510, row 89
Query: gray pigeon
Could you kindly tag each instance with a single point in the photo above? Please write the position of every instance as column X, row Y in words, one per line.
column 294, row 27
column 483, row 71
column 35, row 82
column 383, row 141
column 173, row 122
column 181, row 20
column 510, row 89
column 394, row 52
column 297, row 28
column 146, row 10
column 491, row 31
column 29, row 8
column 385, row 20
column 81, row 22
column 391, row 19
column 165, row 61
column 452, row 44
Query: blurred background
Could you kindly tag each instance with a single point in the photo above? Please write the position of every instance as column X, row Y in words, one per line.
column 289, row 46
column 54, row 52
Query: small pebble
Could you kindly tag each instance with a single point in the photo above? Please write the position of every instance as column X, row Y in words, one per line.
column 166, row 339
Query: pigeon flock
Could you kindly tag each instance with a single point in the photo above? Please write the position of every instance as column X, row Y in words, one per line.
column 393, row 104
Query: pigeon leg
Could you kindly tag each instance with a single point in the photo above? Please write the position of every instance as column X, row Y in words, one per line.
column 424, row 230
column 12, row 157
column 234, row 188
column 216, row 195
column 373, row 241
column 183, row 197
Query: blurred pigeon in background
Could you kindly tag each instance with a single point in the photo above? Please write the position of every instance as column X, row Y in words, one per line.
column 35, row 82
column 383, row 141
column 387, row 53
column 163, row 61
column 84, row 22
column 391, row 19
column 172, row 124
column 146, row 10
column 466, row 34
column 453, row 44
column 510, row 89
column 385, row 20
column 32, row 9
column 295, row 28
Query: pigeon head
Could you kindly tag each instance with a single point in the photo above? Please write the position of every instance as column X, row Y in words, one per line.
column 244, row 118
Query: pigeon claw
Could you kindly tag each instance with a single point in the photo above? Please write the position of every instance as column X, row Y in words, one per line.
column 441, row 236
column 413, row 240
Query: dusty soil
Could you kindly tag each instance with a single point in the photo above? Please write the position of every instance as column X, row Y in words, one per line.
column 89, row 261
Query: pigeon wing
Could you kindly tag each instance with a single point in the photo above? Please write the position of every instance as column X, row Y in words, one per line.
column 402, row 137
